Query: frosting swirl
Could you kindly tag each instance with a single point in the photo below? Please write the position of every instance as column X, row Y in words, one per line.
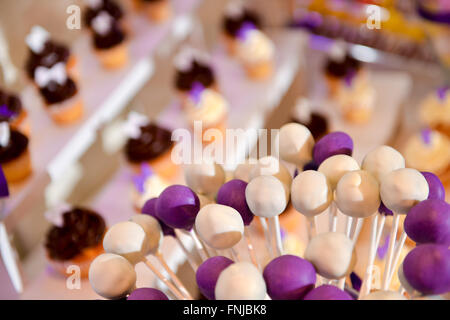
column 256, row 47
column 210, row 108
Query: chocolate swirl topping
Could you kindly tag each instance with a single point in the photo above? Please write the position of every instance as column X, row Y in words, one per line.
column 17, row 145
column 340, row 69
column 153, row 142
column 114, row 37
column 56, row 93
column 111, row 7
column 231, row 25
column 13, row 106
column 198, row 73
column 51, row 55
column 318, row 125
column 82, row 229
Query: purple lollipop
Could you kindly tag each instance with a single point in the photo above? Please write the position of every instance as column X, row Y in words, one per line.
column 147, row 294
column 289, row 277
column 429, row 222
column 427, row 269
column 436, row 189
column 327, row 292
column 150, row 209
column 384, row 210
column 332, row 144
column 4, row 191
column 177, row 206
column 232, row 194
column 208, row 273
column 310, row 166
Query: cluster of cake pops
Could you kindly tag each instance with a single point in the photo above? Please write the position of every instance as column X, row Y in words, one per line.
column 216, row 213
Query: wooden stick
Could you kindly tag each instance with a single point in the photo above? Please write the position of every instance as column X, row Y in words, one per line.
column 390, row 253
column 189, row 257
column 172, row 275
column 367, row 280
column 166, row 281
column 251, row 249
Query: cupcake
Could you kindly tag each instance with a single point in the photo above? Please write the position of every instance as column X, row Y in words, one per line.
column 151, row 144
column 75, row 239
column 45, row 52
column 14, row 154
column 356, row 98
column 109, row 41
column 94, row 7
column 435, row 110
column 156, row 10
column 235, row 17
column 60, row 94
column 429, row 151
column 338, row 66
column 192, row 67
column 12, row 111
column 146, row 185
column 256, row 52
column 314, row 121
column 207, row 108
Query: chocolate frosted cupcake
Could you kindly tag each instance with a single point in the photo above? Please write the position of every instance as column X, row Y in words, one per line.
column 14, row 154
column 76, row 241
column 46, row 53
column 12, row 111
column 109, row 40
column 96, row 6
column 316, row 122
column 149, row 143
column 60, row 94
column 235, row 18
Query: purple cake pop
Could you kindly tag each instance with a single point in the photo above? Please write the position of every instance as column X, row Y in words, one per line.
column 232, row 194
column 427, row 268
column 310, row 166
column 332, row 144
column 436, row 189
column 147, row 294
column 289, row 277
column 327, row 292
column 429, row 222
column 177, row 206
column 150, row 209
column 385, row 210
column 208, row 273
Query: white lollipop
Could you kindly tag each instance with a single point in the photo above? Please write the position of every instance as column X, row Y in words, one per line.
column 382, row 160
column 296, row 144
column 271, row 166
column 242, row 171
column 205, row 178
column 112, row 276
column 311, row 193
column 332, row 254
column 384, row 295
column 336, row 166
column 357, row 194
column 221, row 227
column 127, row 239
column 240, row 281
column 152, row 230
column 402, row 189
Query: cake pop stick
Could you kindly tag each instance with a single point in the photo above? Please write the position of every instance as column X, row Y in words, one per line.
column 397, row 252
column 129, row 240
column 150, row 209
column 400, row 190
column 267, row 236
column 266, row 197
column 232, row 194
column 367, row 280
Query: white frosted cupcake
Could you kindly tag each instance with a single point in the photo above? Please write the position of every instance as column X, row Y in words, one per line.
column 435, row 110
column 256, row 52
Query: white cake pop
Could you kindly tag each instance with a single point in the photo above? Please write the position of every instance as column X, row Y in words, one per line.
column 271, row 166
column 384, row 295
column 127, row 239
column 152, row 230
column 332, row 254
column 296, row 144
column 336, row 166
column 382, row 160
column 402, row 189
column 205, row 178
column 266, row 196
column 221, row 227
column 240, row 281
column 242, row 171
column 358, row 194
column 112, row 276
column 311, row 193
